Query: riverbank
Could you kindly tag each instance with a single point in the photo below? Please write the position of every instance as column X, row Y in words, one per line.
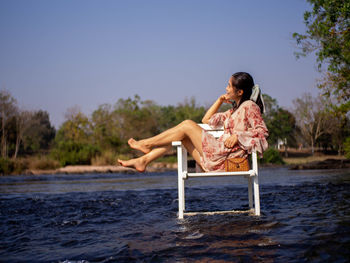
column 317, row 162
column 305, row 163
column 81, row 169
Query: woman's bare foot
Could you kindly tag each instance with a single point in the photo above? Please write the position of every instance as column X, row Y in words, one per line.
column 137, row 163
column 138, row 146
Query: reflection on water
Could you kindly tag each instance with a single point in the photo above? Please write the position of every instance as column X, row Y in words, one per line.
column 132, row 218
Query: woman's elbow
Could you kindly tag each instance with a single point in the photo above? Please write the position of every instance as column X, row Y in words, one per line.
column 205, row 121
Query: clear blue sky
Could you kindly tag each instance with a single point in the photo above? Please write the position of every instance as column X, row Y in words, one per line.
column 55, row 54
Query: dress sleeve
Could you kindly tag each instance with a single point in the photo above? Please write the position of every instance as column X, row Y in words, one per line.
column 255, row 134
column 218, row 119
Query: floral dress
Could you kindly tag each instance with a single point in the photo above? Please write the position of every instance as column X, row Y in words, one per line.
column 246, row 122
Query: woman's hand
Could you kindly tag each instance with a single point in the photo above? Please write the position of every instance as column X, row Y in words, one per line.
column 224, row 98
column 231, row 141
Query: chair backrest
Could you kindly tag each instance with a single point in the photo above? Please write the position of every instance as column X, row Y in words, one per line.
column 215, row 132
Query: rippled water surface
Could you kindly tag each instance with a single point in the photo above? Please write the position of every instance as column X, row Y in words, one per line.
column 133, row 218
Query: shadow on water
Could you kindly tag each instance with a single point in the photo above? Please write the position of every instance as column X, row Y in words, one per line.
column 123, row 218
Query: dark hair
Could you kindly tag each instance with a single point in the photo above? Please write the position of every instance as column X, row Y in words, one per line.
column 245, row 82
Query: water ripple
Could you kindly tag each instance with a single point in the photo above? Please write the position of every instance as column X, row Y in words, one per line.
column 307, row 220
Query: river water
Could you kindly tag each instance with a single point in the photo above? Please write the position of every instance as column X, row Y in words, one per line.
column 133, row 218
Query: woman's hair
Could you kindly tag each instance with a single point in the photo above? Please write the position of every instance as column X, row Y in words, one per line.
column 245, row 82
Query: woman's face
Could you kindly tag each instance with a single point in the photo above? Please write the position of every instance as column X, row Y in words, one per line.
column 232, row 92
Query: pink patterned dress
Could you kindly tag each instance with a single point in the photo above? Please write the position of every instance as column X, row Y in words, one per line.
column 246, row 122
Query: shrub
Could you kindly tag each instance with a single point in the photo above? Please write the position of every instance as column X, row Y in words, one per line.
column 272, row 156
column 43, row 163
column 7, row 166
column 107, row 157
column 70, row 153
column 347, row 148
column 20, row 165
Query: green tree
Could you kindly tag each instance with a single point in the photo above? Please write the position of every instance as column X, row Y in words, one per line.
column 169, row 116
column 38, row 133
column 77, row 127
column 134, row 118
column 271, row 107
column 73, row 141
column 282, row 126
column 328, row 34
column 280, row 122
column 189, row 110
column 104, row 131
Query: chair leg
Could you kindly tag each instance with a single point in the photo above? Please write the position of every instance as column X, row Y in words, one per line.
column 256, row 196
column 182, row 168
column 181, row 188
column 250, row 192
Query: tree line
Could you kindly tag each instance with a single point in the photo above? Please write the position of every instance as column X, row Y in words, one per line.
column 102, row 137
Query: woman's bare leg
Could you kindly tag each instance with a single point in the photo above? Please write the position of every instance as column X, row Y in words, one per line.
column 141, row 163
column 186, row 129
column 192, row 150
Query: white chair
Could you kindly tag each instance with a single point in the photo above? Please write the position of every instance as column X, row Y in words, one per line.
column 183, row 174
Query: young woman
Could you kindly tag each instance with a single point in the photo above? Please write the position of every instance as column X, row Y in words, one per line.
column 244, row 130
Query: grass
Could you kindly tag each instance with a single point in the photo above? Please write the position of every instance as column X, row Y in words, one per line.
column 107, row 157
column 22, row 164
column 42, row 163
column 309, row 159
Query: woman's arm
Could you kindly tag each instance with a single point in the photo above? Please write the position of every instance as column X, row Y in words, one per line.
column 214, row 108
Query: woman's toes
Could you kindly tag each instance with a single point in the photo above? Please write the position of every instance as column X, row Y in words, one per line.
column 138, row 146
column 134, row 163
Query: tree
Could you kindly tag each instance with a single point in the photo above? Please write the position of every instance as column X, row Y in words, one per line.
column 8, row 109
column 280, row 122
column 310, row 117
column 104, row 131
column 189, row 110
column 328, row 34
column 73, row 141
column 338, row 128
column 282, row 126
column 169, row 116
column 38, row 132
column 77, row 126
column 135, row 118
column 271, row 106
column 23, row 123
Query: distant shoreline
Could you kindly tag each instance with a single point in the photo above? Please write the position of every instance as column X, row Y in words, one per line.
column 82, row 169
column 329, row 163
